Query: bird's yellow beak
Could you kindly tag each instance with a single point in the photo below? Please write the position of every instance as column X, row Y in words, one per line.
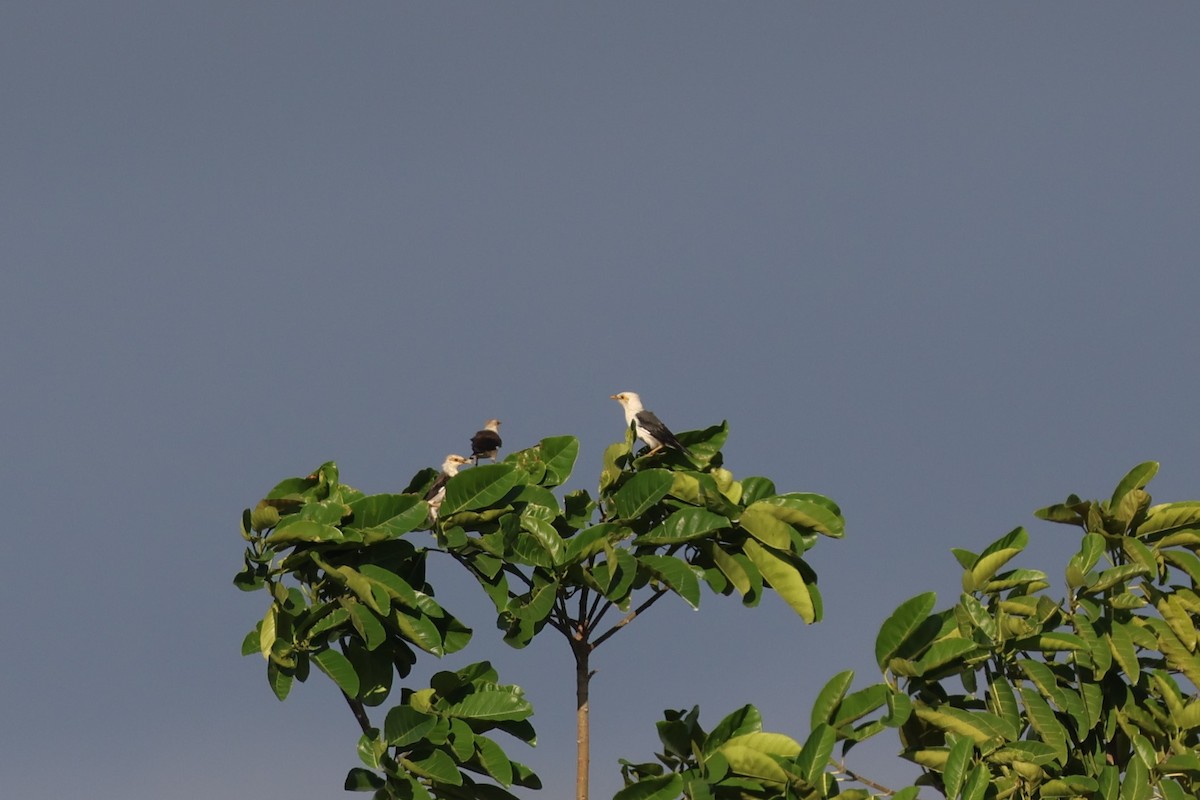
column 614, row 396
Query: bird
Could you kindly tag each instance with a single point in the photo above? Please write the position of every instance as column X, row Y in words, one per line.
column 437, row 492
column 650, row 429
column 486, row 442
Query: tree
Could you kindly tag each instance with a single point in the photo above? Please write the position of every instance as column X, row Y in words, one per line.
column 349, row 594
column 1006, row 694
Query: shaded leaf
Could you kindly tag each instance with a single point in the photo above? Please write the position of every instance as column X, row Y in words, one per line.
column 339, row 669
column 902, row 623
column 642, row 492
column 479, row 487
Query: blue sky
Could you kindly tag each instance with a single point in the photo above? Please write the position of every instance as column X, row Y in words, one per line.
column 936, row 261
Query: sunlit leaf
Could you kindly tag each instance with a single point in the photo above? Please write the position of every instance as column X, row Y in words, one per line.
column 491, row 705
column 676, row 574
column 995, row 556
column 684, row 525
column 829, row 697
column 784, row 578
column 1136, row 478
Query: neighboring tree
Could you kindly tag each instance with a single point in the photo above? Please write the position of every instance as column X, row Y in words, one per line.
column 1007, row 694
column 349, row 594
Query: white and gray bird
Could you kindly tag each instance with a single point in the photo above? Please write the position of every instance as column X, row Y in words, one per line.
column 650, row 429
column 486, row 442
column 437, row 492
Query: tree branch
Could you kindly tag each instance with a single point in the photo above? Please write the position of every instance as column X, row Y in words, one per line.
column 854, row 776
column 360, row 713
column 629, row 617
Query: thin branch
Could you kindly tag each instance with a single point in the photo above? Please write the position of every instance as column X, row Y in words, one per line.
column 629, row 617
column 591, row 617
column 360, row 713
column 854, row 776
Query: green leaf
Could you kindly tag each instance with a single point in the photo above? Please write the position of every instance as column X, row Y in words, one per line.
column 591, row 541
column 903, row 622
column 829, row 697
column 981, row 726
column 857, row 705
column 534, row 520
column 784, row 578
column 1044, row 721
column 390, row 515
column 297, row 529
column 1003, row 702
column 437, row 766
column 339, row 669
column 267, row 630
column 642, row 492
column 676, row 574
column 363, row 780
column 1136, row 478
column 805, row 511
column 762, row 524
column 535, row 605
column 491, row 705
column 940, row 654
column 558, row 453
column 479, row 487
column 995, row 556
column 614, row 456
column 367, row 624
column 1070, row 786
column 494, row 761
column 281, row 681
column 1184, row 560
column 745, row 720
column 418, row 629
column 729, row 566
column 665, row 787
column 756, row 488
column 816, row 753
column 405, row 726
column 977, row 783
column 1170, row 516
column 1091, row 548
column 752, row 763
column 1112, row 576
column 392, row 584
column 1136, row 784
column 684, row 525
column 957, row 762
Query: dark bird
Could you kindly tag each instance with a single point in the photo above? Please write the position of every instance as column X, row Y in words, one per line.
column 650, row 429
column 437, row 492
column 486, row 442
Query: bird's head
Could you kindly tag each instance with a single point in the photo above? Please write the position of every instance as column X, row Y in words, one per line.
column 492, row 425
column 628, row 399
column 452, row 463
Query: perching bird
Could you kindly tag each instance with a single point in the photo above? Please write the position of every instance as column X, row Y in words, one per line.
column 437, row 492
column 650, row 429
column 486, row 442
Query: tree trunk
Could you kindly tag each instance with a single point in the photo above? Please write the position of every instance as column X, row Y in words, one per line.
column 582, row 736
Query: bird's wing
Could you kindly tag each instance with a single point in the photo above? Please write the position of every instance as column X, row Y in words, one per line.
column 437, row 485
column 485, row 441
column 654, row 426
